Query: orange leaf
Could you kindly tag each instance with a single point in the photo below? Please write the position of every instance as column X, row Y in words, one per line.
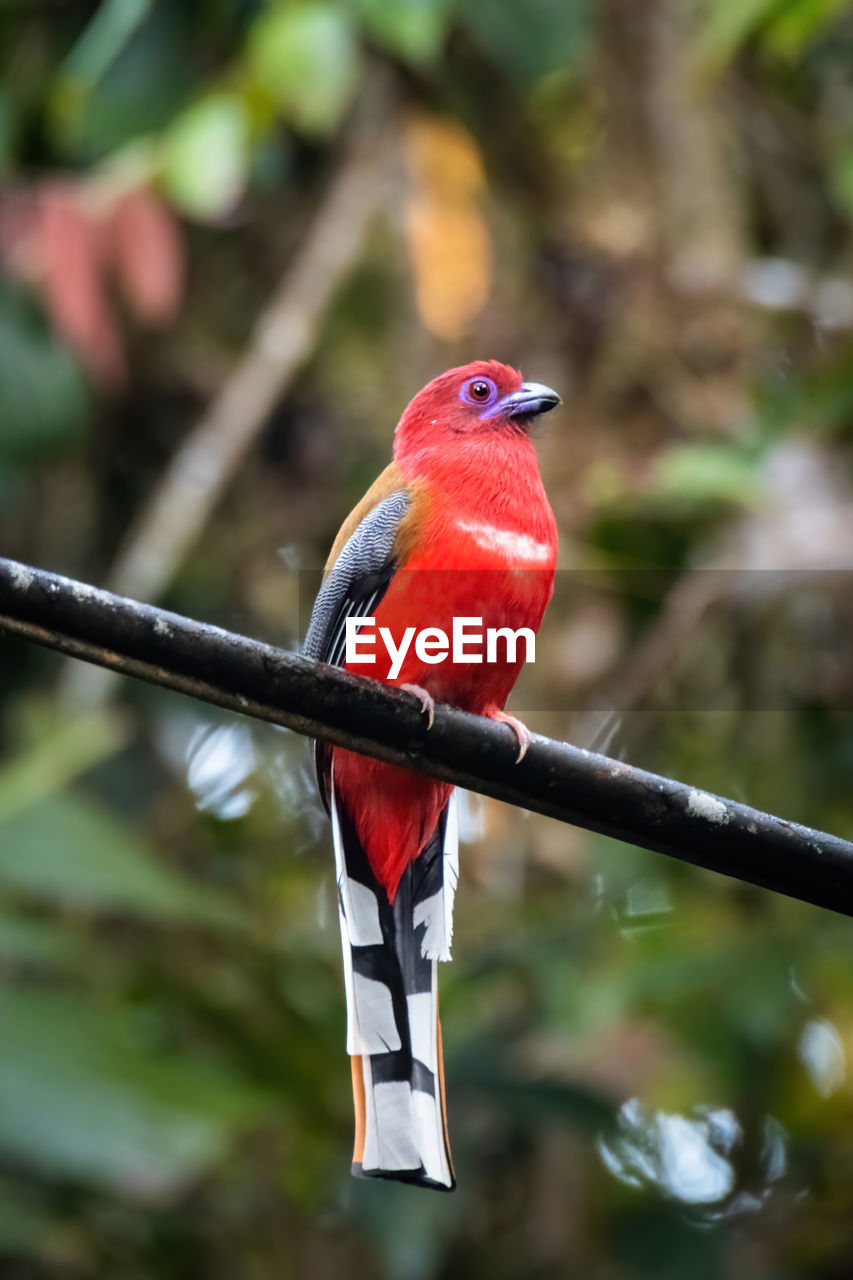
column 447, row 234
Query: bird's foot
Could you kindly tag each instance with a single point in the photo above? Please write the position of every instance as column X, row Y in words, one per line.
column 425, row 699
column 521, row 731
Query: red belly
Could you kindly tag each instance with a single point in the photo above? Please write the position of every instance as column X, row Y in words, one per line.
column 394, row 810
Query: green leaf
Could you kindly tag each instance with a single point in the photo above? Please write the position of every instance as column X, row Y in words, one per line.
column 412, row 29
column 531, row 37
column 25, row 1228
column 85, row 1094
column 45, row 405
column 206, row 157
column 32, row 943
column 730, row 24
column 71, row 851
column 785, row 28
column 801, row 24
column 106, row 35
column 131, row 69
column 61, row 754
column 306, row 58
column 702, row 474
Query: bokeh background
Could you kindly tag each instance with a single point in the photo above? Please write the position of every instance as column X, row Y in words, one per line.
column 236, row 237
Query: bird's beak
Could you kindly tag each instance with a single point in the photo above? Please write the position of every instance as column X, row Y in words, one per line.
column 531, row 399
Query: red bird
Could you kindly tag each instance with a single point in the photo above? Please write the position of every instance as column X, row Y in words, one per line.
column 457, row 527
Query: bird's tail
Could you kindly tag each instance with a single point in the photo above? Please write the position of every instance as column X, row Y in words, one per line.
column 393, row 1032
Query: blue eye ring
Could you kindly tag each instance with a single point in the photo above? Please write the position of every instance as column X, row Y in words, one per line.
column 481, row 392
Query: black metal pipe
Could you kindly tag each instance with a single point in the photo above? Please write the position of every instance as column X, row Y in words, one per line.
column 556, row 779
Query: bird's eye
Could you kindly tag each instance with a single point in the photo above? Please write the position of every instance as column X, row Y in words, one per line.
column 480, row 391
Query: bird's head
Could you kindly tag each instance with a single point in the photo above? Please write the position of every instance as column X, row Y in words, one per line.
column 472, row 403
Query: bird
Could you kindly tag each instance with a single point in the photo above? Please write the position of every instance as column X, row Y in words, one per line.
column 457, row 526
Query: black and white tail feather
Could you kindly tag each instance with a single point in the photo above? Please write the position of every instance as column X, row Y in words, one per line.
column 391, row 956
column 390, row 952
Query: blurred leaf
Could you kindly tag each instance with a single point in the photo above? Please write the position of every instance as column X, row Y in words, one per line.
column 127, row 75
column 71, row 243
column 62, row 753
column 411, row 1238
column 531, row 37
column 44, row 399
column 412, row 29
column 69, row 850
column 85, row 1094
column 148, row 255
column 446, row 231
column 25, row 1228
column 823, row 399
column 800, row 24
column 703, row 474
column 729, row 25
column 305, row 57
column 112, row 25
column 785, row 27
column 33, row 943
column 7, row 130
column 527, row 1097
column 206, row 156
column 842, row 178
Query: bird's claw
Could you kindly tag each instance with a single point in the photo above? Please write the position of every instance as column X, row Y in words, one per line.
column 425, row 699
column 521, row 731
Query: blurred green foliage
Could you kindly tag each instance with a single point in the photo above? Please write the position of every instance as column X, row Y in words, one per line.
column 648, row 1067
column 45, row 401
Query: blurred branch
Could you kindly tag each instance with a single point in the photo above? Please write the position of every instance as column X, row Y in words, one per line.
column 363, row 715
column 802, row 524
column 284, row 337
column 666, row 638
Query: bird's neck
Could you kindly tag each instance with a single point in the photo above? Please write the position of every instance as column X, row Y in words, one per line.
column 497, row 478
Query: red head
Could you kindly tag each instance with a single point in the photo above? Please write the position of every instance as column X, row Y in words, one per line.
column 470, row 404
